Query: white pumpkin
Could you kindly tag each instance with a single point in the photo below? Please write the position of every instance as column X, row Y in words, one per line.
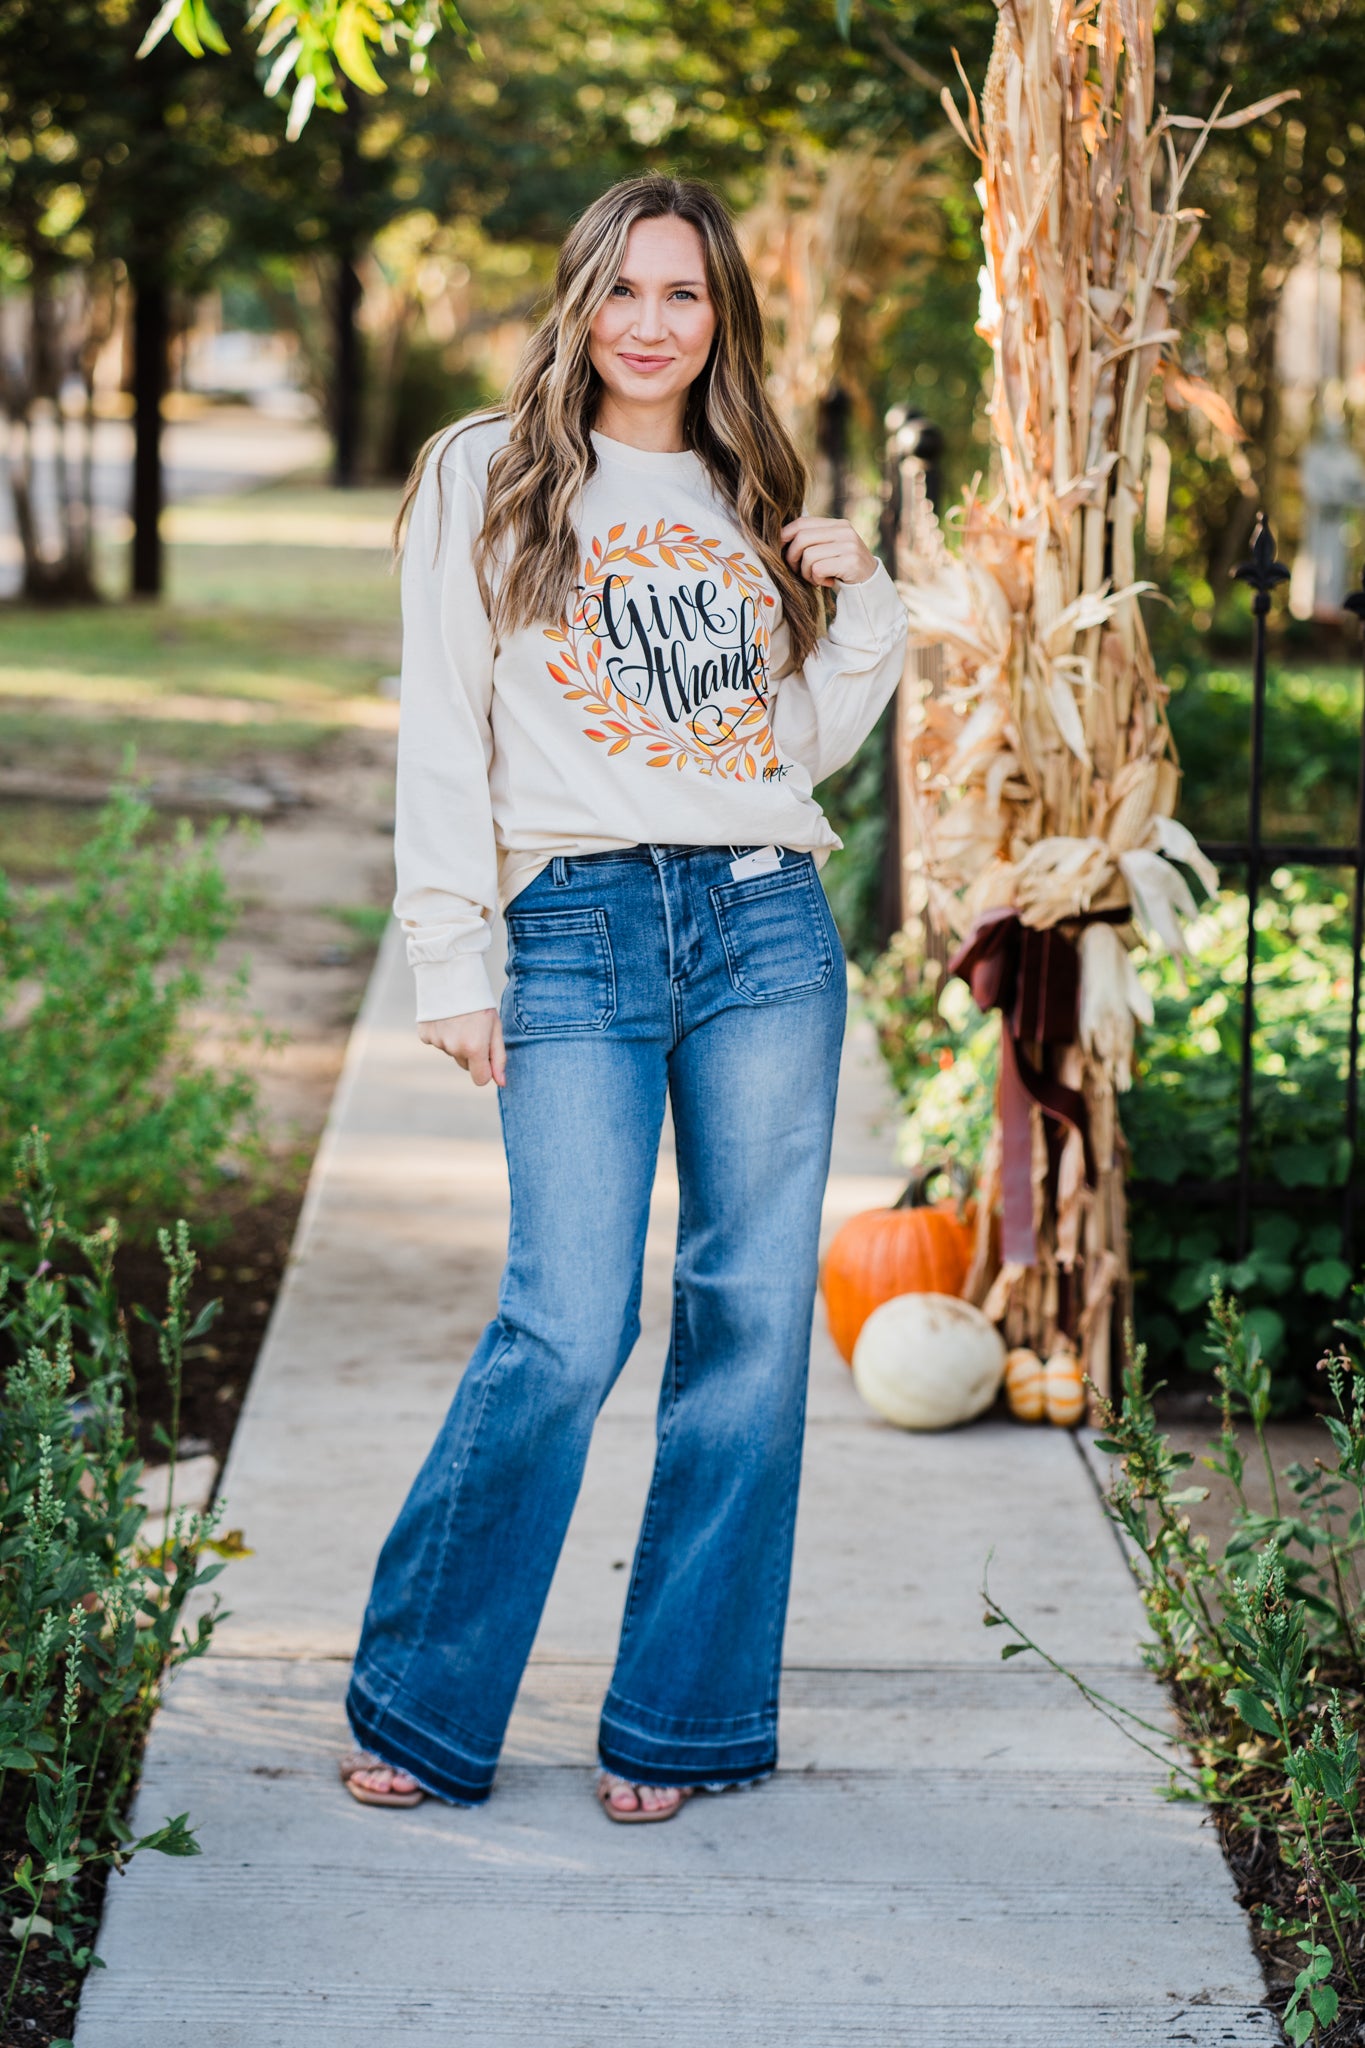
column 928, row 1361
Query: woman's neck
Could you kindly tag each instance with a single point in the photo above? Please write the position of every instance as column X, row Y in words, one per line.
column 656, row 428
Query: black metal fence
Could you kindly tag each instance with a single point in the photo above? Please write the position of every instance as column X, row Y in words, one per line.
column 1264, row 573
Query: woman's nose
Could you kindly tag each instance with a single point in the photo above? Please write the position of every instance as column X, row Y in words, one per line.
column 649, row 321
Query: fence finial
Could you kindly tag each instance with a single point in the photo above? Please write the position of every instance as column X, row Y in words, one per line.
column 1263, row 571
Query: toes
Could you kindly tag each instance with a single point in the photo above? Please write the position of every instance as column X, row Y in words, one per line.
column 624, row 1797
column 382, row 1778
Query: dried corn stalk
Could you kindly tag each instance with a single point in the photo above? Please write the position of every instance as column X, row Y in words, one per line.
column 1043, row 768
column 828, row 237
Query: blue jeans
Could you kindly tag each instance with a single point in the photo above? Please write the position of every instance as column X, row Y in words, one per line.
column 631, row 976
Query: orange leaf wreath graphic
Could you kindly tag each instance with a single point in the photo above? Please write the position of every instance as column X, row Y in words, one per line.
column 715, row 715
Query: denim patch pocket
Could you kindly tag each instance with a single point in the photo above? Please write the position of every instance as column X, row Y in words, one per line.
column 775, row 930
column 560, row 969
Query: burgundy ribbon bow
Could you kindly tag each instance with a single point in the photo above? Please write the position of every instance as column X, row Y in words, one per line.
column 1033, row 979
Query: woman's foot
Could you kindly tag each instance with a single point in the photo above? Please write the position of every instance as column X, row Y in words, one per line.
column 375, row 1783
column 623, row 1800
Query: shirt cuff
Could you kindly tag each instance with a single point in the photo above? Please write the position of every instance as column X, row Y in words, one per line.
column 452, row 988
column 872, row 611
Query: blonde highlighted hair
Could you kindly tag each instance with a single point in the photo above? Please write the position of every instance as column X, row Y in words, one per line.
column 551, row 405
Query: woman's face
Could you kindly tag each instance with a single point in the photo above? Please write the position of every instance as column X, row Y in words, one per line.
column 652, row 337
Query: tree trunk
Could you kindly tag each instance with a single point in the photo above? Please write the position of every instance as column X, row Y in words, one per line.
column 347, row 294
column 151, row 342
column 346, row 379
column 51, row 518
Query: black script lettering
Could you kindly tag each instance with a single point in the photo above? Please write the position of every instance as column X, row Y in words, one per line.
column 676, row 650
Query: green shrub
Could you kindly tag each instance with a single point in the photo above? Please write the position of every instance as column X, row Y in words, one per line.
column 854, row 801
column 96, row 975
column 941, row 1053
column 1312, row 727
column 1181, row 1122
column 1262, row 1646
column 92, row 1610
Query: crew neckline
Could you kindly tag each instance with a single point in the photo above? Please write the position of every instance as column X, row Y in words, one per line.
column 675, row 459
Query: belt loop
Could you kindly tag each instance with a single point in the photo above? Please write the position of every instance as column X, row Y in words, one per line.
column 559, row 872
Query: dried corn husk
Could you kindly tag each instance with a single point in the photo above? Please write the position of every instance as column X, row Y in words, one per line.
column 1042, row 767
column 1112, row 1000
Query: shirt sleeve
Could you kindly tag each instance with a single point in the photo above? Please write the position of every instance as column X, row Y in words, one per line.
column 824, row 711
column 445, row 855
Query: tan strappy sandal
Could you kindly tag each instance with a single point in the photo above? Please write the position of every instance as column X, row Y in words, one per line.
column 640, row 1814
column 361, row 1760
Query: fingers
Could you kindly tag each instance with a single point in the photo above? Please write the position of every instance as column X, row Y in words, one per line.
column 474, row 1041
column 826, row 551
column 487, row 1061
column 823, row 564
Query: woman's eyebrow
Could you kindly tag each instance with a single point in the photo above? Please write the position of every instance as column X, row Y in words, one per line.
column 670, row 287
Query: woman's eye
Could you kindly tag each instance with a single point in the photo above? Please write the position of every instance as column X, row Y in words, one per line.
column 620, row 288
column 683, row 293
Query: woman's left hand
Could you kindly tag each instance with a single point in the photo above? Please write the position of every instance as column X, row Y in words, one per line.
column 826, row 551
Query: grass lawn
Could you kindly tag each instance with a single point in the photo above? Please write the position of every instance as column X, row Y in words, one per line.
column 281, row 598
column 280, row 618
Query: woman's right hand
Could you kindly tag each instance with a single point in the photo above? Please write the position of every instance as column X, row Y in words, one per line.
column 474, row 1042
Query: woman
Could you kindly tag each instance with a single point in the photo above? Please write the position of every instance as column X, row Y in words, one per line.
column 616, row 696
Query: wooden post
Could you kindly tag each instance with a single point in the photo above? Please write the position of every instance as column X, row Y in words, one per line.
column 911, row 480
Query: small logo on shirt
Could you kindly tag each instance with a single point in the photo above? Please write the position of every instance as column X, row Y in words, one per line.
column 669, row 646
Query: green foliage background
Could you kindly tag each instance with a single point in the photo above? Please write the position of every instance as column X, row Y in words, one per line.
column 98, row 974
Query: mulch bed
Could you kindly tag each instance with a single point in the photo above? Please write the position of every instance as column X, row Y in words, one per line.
column 241, row 1269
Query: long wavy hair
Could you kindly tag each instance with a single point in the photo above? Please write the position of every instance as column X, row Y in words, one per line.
column 552, row 401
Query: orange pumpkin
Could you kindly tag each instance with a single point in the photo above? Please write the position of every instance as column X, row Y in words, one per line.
column 917, row 1247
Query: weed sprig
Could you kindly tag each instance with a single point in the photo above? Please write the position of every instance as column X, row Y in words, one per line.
column 93, row 1614
column 1261, row 1645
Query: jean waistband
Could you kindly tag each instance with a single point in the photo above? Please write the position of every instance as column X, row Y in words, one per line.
column 659, row 854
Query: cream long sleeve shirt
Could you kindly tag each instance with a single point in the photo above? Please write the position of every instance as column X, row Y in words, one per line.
column 656, row 711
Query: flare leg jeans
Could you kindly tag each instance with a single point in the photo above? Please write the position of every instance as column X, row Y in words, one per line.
column 632, row 977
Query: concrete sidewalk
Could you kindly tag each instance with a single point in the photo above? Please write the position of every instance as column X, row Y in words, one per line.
column 955, row 1851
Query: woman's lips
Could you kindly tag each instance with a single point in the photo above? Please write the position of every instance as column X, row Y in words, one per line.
column 646, row 362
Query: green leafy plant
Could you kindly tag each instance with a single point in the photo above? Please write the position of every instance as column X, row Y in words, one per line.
column 93, row 1601
column 854, row 801
column 320, row 44
column 940, row 1052
column 1262, row 1648
column 1312, row 723
column 1180, row 1120
column 97, row 976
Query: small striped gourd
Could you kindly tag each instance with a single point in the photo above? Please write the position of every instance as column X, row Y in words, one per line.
column 1024, row 1385
column 1064, row 1387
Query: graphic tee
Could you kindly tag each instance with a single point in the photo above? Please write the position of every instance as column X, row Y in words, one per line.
column 662, row 708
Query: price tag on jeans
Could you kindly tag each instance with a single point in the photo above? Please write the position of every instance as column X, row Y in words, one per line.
column 761, row 861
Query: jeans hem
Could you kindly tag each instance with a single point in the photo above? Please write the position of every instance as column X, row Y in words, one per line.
column 462, row 1785
column 714, row 1773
